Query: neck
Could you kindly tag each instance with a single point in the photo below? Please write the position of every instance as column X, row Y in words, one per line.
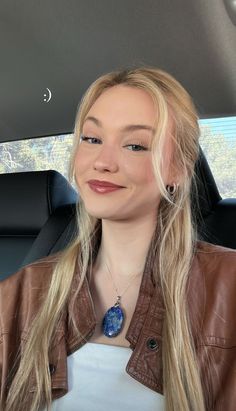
column 124, row 246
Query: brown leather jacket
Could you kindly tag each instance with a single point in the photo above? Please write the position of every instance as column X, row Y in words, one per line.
column 212, row 305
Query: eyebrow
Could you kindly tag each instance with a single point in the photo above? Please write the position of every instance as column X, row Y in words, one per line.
column 129, row 127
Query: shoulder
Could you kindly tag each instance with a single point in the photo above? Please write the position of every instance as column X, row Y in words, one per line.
column 213, row 290
column 20, row 293
column 34, row 273
column 215, row 266
column 204, row 247
column 214, row 258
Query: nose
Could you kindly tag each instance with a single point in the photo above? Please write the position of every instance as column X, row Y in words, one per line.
column 106, row 160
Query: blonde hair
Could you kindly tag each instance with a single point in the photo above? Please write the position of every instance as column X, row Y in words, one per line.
column 176, row 240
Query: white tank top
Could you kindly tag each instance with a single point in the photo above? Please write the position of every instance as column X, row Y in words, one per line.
column 97, row 381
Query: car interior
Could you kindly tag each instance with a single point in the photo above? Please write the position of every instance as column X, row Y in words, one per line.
column 52, row 51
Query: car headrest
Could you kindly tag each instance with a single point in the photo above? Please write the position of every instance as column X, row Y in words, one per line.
column 29, row 198
column 205, row 194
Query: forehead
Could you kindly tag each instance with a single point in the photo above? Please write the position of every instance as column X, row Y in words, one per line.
column 123, row 104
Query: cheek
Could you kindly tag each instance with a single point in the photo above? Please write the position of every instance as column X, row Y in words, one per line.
column 79, row 168
column 142, row 172
column 149, row 173
column 80, row 162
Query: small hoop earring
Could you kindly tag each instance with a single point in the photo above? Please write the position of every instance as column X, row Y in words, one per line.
column 172, row 189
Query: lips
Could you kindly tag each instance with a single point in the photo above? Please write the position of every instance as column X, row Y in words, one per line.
column 100, row 183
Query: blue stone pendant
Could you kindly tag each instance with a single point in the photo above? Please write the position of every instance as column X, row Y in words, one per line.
column 113, row 320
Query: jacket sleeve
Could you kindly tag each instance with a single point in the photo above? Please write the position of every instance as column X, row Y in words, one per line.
column 217, row 350
column 10, row 327
column 20, row 299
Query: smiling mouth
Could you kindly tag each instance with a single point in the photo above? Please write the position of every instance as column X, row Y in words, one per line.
column 103, row 187
column 99, row 183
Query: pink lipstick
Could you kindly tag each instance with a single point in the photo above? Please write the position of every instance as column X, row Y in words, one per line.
column 103, row 187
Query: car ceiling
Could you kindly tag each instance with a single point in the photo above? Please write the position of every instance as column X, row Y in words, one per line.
column 64, row 45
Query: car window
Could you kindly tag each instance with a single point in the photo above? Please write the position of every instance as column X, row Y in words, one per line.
column 218, row 141
column 37, row 154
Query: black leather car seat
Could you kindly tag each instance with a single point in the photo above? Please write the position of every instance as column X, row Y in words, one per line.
column 30, row 201
column 216, row 217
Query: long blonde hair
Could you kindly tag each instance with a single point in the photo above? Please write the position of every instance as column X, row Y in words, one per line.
column 176, row 241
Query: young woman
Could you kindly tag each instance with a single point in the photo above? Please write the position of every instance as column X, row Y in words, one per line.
column 136, row 313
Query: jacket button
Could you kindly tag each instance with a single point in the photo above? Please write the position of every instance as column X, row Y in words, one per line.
column 52, row 369
column 152, row 343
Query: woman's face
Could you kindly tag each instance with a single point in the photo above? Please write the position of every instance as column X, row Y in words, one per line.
column 113, row 165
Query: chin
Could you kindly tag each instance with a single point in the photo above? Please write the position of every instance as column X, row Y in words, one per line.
column 100, row 215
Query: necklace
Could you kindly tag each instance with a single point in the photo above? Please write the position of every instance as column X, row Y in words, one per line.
column 113, row 319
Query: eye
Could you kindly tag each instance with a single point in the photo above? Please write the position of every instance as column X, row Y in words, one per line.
column 136, row 147
column 90, row 140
